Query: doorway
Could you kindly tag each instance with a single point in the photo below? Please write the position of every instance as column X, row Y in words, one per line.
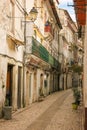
column 41, row 85
column 30, row 85
column 9, row 85
column 35, row 87
column 19, row 88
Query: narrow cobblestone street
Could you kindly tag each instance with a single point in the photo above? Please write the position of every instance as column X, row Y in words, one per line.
column 54, row 113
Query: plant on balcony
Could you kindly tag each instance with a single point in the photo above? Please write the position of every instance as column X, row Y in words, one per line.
column 47, row 23
column 77, row 95
column 47, row 27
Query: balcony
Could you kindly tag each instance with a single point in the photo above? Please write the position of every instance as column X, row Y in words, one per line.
column 40, row 51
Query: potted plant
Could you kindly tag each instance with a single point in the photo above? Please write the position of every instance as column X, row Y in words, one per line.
column 77, row 96
column 74, row 106
column 7, row 110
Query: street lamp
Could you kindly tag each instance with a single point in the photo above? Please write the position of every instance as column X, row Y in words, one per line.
column 31, row 17
column 33, row 14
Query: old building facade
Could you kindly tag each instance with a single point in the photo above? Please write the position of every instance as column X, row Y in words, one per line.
column 69, row 40
column 29, row 53
column 11, row 55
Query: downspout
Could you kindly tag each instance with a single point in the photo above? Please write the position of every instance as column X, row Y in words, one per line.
column 58, row 60
column 23, row 99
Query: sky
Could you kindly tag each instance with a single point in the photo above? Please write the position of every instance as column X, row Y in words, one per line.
column 70, row 9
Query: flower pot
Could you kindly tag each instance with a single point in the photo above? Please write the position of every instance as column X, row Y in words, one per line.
column 74, row 106
column 7, row 112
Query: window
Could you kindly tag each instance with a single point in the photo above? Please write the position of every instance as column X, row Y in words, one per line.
column 12, row 14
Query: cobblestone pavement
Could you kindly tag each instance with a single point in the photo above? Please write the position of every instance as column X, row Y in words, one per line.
column 54, row 113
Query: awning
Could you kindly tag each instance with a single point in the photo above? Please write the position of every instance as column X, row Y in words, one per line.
column 15, row 40
column 80, row 10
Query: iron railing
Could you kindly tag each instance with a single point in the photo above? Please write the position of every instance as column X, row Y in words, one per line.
column 40, row 51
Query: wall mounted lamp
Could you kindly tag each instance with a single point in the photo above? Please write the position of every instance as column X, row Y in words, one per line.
column 33, row 14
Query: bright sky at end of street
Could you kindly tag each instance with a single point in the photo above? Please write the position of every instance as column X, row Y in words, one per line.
column 64, row 5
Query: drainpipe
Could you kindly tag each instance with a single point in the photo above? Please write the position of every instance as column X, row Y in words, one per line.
column 58, row 59
column 23, row 99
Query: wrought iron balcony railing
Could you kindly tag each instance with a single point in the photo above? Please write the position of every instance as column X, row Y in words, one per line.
column 41, row 52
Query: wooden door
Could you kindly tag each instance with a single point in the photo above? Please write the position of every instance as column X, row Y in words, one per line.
column 9, row 85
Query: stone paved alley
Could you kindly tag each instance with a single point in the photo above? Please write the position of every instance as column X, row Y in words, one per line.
column 54, row 113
